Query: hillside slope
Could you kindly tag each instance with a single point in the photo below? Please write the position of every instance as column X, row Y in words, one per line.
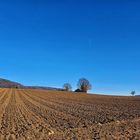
column 4, row 83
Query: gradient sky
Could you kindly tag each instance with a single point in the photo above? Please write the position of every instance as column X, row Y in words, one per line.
column 50, row 42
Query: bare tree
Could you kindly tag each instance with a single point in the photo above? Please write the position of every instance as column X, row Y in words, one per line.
column 84, row 85
column 133, row 93
column 67, row 87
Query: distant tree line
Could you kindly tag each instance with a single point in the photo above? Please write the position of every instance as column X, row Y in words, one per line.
column 83, row 85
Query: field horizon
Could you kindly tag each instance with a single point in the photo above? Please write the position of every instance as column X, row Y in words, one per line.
column 6, row 83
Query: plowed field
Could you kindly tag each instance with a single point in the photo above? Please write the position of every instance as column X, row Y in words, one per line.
column 27, row 114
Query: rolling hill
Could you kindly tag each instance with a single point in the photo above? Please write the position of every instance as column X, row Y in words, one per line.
column 4, row 83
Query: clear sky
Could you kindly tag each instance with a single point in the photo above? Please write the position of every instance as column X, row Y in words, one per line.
column 50, row 42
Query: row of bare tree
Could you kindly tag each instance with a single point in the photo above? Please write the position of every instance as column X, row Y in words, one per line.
column 83, row 86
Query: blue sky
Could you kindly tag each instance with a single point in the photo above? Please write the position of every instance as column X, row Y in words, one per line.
column 52, row 42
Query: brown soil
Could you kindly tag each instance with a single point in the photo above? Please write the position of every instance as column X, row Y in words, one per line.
column 27, row 114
